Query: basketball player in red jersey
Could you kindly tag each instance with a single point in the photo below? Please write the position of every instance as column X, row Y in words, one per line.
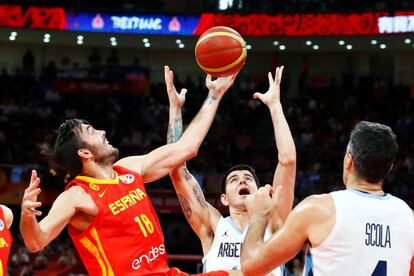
column 6, row 220
column 111, row 219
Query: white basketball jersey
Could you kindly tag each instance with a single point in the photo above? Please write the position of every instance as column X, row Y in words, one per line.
column 225, row 251
column 373, row 236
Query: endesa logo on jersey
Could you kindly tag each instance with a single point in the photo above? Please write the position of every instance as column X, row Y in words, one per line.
column 127, row 178
column 148, row 258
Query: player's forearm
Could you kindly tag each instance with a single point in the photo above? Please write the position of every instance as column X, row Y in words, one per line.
column 192, row 200
column 32, row 233
column 175, row 125
column 195, row 133
column 284, row 140
column 250, row 255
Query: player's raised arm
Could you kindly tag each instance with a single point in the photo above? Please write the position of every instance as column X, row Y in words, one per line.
column 195, row 207
column 163, row 160
column 37, row 235
column 285, row 172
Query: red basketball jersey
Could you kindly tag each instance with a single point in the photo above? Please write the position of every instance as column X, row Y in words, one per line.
column 125, row 238
column 5, row 244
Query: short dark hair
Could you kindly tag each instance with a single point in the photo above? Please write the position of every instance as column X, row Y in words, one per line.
column 239, row 167
column 373, row 148
column 61, row 149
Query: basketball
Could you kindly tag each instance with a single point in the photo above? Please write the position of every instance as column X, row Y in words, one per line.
column 220, row 51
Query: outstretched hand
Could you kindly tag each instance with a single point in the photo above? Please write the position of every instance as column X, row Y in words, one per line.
column 29, row 202
column 176, row 99
column 220, row 85
column 272, row 96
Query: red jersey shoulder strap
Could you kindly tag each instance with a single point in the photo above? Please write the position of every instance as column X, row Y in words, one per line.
column 122, row 170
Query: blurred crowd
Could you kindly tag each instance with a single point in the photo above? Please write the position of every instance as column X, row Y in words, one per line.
column 59, row 258
column 320, row 119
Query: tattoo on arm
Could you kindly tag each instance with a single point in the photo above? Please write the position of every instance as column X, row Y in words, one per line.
column 200, row 196
column 196, row 189
column 185, row 206
column 187, row 174
column 175, row 129
column 210, row 99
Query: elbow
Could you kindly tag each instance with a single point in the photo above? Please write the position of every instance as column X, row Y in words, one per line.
column 287, row 160
column 189, row 151
column 192, row 152
column 247, row 269
column 247, row 264
column 33, row 248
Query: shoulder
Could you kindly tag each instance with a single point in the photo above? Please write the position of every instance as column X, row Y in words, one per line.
column 75, row 197
column 400, row 202
column 8, row 215
column 133, row 163
column 316, row 201
column 316, row 207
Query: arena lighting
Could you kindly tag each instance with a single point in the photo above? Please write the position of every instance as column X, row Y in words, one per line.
column 383, row 46
column 178, row 41
column 407, row 41
column 248, row 47
column 315, row 47
column 181, row 45
column 341, row 42
column 145, row 40
column 113, row 38
column 13, row 33
column 147, row 45
column 114, row 43
column 46, row 38
column 308, row 43
column 282, row 47
column 275, row 43
column 349, row 47
column 79, row 40
column 374, row 42
column 12, row 37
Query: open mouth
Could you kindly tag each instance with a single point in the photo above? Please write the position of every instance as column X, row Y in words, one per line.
column 244, row 191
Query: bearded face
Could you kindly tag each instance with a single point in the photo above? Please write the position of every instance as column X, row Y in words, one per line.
column 102, row 151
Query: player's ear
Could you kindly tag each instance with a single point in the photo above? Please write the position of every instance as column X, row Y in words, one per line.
column 84, row 153
column 224, row 200
column 348, row 162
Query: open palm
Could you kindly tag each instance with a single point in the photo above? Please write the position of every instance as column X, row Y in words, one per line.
column 272, row 95
column 220, row 85
column 176, row 99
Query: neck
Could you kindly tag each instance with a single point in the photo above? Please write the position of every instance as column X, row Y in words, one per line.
column 99, row 171
column 240, row 218
column 361, row 185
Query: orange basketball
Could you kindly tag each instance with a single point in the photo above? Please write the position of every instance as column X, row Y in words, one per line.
column 220, row 51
